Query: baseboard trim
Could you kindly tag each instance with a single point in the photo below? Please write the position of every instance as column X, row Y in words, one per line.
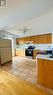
column 45, row 89
column 6, row 62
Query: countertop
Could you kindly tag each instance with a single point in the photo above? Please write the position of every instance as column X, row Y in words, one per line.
column 34, row 49
column 44, row 57
column 45, row 49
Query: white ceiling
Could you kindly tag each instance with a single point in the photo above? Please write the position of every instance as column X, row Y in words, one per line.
column 17, row 12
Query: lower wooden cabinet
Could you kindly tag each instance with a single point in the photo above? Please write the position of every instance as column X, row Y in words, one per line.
column 35, row 53
column 20, row 52
column 45, row 73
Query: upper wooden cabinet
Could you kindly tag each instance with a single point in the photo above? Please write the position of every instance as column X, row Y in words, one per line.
column 37, row 39
column 43, row 39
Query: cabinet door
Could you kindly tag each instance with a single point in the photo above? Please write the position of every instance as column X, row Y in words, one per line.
column 45, row 38
column 20, row 52
column 49, row 65
column 41, row 39
column 35, row 53
column 45, row 73
column 42, row 76
column 49, row 38
column 32, row 39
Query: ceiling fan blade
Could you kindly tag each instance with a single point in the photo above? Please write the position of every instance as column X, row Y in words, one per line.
column 6, row 27
column 24, row 29
column 9, row 27
column 3, row 27
column 20, row 29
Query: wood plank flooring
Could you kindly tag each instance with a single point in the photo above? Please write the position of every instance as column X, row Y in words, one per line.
column 11, row 85
column 22, row 67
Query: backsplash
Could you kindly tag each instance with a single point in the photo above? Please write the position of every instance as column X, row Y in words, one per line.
column 37, row 46
column 43, row 46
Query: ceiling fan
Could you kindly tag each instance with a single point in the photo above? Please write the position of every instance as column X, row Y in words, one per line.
column 24, row 30
column 21, row 31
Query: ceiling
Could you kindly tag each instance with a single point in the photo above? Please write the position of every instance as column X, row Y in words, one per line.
column 17, row 12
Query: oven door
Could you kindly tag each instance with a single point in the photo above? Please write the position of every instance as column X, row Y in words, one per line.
column 29, row 52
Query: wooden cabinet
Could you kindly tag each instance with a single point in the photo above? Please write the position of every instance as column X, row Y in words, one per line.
column 37, row 39
column 35, row 53
column 20, row 52
column 45, row 73
column 45, row 38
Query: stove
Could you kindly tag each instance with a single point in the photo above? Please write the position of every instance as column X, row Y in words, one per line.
column 29, row 51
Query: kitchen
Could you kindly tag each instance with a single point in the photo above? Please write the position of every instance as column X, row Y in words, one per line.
column 42, row 51
column 35, row 43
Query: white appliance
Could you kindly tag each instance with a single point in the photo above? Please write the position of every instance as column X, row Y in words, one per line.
column 5, row 50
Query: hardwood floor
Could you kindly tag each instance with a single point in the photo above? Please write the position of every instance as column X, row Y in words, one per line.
column 22, row 67
column 11, row 85
column 25, row 69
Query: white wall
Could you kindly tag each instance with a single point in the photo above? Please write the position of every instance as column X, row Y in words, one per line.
column 41, row 25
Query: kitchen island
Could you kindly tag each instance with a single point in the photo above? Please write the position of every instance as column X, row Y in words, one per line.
column 45, row 71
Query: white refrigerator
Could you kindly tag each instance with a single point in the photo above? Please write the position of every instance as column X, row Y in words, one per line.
column 5, row 50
